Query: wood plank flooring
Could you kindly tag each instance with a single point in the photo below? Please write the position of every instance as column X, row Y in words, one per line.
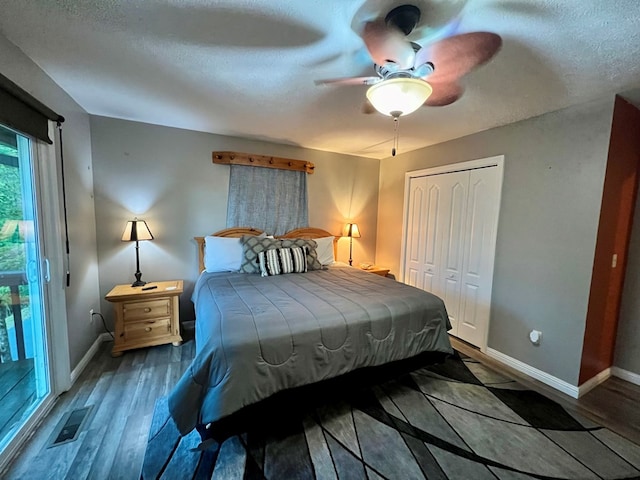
column 17, row 392
column 612, row 404
column 124, row 391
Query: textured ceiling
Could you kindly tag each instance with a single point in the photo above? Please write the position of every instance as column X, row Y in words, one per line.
column 247, row 67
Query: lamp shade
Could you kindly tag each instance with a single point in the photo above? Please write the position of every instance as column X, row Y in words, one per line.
column 136, row 230
column 351, row 230
column 399, row 96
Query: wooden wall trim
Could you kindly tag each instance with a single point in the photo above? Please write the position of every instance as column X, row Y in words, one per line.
column 250, row 160
column 614, row 231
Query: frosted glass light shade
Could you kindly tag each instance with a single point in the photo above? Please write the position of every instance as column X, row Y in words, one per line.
column 399, row 96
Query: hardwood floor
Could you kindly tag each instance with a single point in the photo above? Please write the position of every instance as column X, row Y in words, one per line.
column 612, row 404
column 124, row 391
column 17, row 392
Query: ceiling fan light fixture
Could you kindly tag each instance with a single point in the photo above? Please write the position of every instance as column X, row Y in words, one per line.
column 398, row 96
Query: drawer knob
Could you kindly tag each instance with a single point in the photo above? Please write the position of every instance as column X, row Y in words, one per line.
column 147, row 310
column 148, row 329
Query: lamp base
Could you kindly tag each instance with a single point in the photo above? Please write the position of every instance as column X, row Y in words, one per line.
column 138, row 282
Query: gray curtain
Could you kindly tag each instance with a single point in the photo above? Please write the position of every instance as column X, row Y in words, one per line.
column 270, row 199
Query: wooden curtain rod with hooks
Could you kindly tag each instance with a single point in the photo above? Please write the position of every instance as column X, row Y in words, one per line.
column 250, row 160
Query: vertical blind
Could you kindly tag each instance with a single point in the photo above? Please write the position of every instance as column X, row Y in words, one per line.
column 24, row 113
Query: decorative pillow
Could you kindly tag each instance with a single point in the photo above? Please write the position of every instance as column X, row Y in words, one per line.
column 325, row 250
column 222, row 254
column 251, row 247
column 312, row 256
column 277, row 261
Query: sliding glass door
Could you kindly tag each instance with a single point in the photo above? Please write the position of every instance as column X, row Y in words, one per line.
column 24, row 360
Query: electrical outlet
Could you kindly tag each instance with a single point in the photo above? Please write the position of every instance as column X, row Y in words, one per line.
column 535, row 336
column 91, row 316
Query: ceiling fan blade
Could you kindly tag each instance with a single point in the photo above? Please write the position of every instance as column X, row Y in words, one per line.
column 456, row 56
column 348, row 81
column 386, row 43
column 444, row 94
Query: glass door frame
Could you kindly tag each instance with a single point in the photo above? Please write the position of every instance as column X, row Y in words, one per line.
column 45, row 171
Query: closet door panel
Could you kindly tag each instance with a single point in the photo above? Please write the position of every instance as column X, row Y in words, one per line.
column 477, row 274
column 433, row 217
column 450, row 243
column 415, row 233
column 470, row 327
column 452, row 224
column 454, row 217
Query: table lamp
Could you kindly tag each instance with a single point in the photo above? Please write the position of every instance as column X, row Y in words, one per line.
column 134, row 231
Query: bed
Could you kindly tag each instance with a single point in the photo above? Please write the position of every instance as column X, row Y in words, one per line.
column 258, row 335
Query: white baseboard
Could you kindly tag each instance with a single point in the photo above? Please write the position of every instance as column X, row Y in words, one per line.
column 593, row 382
column 544, row 377
column 82, row 364
column 626, row 375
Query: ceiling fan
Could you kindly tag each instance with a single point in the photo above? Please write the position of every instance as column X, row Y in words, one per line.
column 431, row 72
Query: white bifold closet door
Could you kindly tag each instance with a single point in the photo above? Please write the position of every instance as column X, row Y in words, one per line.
column 450, row 230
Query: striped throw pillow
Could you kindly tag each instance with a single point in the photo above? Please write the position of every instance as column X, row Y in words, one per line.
column 310, row 245
column 277, row 261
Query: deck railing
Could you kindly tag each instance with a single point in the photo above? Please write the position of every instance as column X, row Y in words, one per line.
column 13, row 280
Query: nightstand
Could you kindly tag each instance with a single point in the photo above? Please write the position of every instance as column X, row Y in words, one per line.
column 145, row 317
column 377, row 270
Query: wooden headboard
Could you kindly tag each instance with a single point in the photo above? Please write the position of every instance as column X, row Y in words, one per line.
column 310, row 232
column 237, row 232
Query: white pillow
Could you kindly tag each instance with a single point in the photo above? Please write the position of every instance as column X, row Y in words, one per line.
column 222, row 254
column 325, row 250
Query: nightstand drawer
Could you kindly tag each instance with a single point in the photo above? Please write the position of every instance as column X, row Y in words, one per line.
column 147, row 329
column 158, row 307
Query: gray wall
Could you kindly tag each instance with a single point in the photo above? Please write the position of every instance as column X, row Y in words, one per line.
column 82, row 295
column 166, row 177
column 553, row 179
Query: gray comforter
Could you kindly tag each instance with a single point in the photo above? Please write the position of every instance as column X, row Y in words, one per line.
column 258, row 335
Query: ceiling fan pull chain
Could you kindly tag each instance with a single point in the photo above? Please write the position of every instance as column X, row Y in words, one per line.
column 396, row 134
